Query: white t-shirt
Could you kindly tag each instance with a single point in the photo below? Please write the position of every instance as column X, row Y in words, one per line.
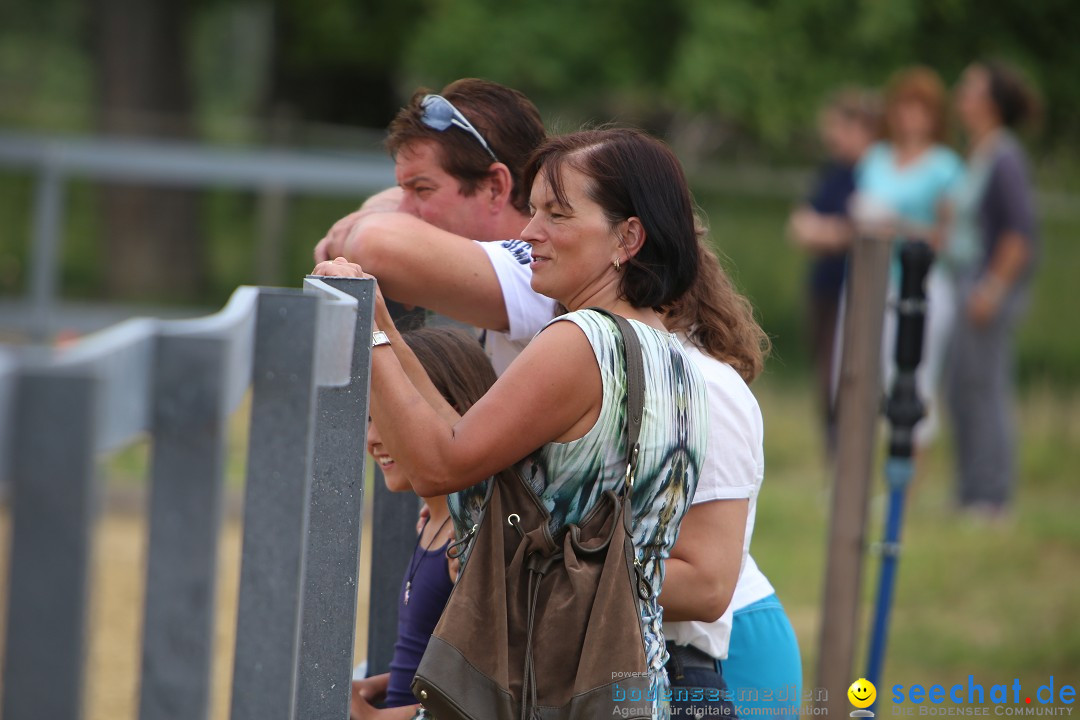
column 734, row 469
column 527, row 310
column 735, row 460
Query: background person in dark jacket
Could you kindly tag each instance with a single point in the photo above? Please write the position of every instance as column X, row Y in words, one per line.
column 849, row 124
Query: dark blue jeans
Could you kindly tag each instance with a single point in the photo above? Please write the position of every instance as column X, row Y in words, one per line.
column 698, row 692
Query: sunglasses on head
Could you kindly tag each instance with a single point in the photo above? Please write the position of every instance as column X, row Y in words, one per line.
column 439, row 114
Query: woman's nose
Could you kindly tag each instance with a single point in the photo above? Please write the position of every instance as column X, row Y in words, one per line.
column 373, row 437
column 531, row 232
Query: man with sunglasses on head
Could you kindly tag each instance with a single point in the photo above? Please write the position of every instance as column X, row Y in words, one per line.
column 445, row 237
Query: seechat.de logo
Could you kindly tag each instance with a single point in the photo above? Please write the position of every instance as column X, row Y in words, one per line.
column 973, row 698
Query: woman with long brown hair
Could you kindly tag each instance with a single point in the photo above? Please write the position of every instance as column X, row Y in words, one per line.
column 612, row 227
column 708, row 563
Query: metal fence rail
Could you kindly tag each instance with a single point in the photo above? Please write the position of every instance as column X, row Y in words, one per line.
column 56, row 160
column 305, row 358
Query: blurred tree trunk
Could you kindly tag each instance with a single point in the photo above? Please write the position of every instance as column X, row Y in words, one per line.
column 151, row 234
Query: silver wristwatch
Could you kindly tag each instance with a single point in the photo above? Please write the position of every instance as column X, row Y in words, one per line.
column 379, row 338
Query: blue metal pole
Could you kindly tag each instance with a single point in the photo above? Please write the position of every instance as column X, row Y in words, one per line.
column 904, row 409
column 898, row 472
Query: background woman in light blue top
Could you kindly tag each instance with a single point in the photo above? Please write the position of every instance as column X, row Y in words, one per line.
column 903, row 184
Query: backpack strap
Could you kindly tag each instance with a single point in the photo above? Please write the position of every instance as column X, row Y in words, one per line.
column 635, row 390
column 635, row 408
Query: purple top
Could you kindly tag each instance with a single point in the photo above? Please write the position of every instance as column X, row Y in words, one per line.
column 428, row 594
column 1006, row 205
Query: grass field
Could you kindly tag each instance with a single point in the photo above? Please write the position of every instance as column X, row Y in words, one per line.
column 999, row 601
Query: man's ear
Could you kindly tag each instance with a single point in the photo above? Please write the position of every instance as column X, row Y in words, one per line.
column 500, row 184
column 631, row 236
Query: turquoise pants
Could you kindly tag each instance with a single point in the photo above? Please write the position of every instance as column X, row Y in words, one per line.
column 763, row 670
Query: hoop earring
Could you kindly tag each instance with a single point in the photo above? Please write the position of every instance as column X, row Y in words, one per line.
column 616, row 264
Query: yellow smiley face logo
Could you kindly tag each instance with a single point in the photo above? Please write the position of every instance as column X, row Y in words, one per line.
column 862, row 693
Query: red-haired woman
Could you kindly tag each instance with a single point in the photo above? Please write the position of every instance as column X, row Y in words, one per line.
column 903, row 186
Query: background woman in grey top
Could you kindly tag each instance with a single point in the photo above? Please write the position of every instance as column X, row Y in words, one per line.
column 991, row 254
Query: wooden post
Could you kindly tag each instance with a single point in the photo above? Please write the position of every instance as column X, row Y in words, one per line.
column 858, row 404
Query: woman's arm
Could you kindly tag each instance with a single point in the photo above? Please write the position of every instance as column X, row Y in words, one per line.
column 361, row 709
column 939, row 234
column 373, row 688
column 551, row 392
column 1009, row 260
column 818, row 233
column 1007, row 189
column 701, row 573
column 411, row 364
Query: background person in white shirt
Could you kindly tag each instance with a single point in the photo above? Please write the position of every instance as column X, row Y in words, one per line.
column 753, row 641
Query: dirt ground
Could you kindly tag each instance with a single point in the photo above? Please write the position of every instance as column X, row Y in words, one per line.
column 116, row 592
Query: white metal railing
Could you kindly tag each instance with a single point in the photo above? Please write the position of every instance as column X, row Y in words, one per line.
column 56, row 160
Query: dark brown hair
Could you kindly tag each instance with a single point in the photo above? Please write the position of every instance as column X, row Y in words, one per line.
column 632, row 175
column 718, row 319
column 506, row 119
column 455, row 362
column 922, row 85
column 1016, row 103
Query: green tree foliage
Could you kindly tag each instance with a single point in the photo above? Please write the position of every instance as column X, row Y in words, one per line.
column 760, row 66
column 756, row 67
column 582, row 57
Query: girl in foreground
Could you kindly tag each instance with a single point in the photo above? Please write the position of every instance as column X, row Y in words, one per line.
column 457, row 369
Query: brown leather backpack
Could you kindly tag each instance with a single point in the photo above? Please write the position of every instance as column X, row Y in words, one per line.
column 542, row 627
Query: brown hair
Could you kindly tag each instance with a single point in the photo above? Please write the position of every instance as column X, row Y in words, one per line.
column 718, row 319
column 455, row 362
column 922, row 85
column 632, row 174
column 1016, row 103
column 505, row 118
